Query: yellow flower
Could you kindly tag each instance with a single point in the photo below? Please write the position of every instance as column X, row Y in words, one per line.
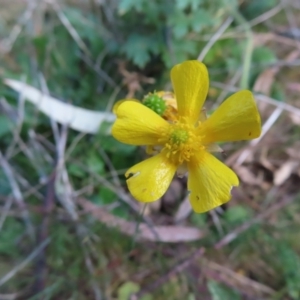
column 186, row 141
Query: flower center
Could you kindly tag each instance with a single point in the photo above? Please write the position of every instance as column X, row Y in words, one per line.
column 180, row 141
column 179, row 136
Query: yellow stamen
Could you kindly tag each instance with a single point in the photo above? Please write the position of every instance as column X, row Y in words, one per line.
column 180, row 142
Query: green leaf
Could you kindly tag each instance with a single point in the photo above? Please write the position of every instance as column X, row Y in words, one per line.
column 237, row 214
column 263, row 55
column 232, row 4
column 179, row 22
column 5, row 125
column 122, row 212
column 191, row 297
column 5, row 188
column 113, row 146
column 200, row 19
column 106, row 196
column 40, row 44
column 278, row 92
column 139, row 47
column 199, row 220
column 184, row 4
column 180, row 50
column 127, row 5
column 290, row 263
column 220, row 292
column 146, row 297
column 95, row 163
column 10, row 232
column 76, row 171
column 126, row 289
column 255, row 8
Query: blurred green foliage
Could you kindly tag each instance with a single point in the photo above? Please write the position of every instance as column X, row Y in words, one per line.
column 150, row 37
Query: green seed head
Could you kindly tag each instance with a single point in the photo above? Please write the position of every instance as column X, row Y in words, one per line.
column 155, row 103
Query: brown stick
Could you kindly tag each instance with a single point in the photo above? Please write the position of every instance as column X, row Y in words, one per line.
column 41, row 267
column 236, row 232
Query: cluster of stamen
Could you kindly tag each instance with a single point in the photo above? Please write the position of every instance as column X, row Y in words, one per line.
column 180, row 142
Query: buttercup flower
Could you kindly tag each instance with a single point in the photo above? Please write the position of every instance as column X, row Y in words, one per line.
column 185, row 141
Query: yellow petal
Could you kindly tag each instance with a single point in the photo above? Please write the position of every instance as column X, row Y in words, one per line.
column 150, row 178
column 190, row 82
column 118, row 103
column 236, row 119
column 136, row 124
column 209, row 182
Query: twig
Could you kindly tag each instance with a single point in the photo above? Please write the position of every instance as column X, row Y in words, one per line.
column 88, row 263
column 216, row 221
column 18, row 127
column 267, row 212
column 263, row 98
column 276, row 113
column 73, row 145
column 249, row 45
column 235, row 280
column 48, row 204
column 292, row 22
column 165, row 278
column 214, row 38
column 62, row 186
column 110, row 166
column 65, row 21
column 103, row 75
column 260, row 19
column 17, row 195
column 64, row 192
column 13, row 296
column 54, row 125
column 7, row 44
column 235, row 78
column 23, row 264
column 5, row 210
column 263, row 17
column 167, row 234
column 40, row 156
column 267, row 15
column 266, row 127
column 43, row 234
column 29, row 154
column 59, row 182
column 122, row 195
column 31, row 190
column 112, row 98
column 94, row 283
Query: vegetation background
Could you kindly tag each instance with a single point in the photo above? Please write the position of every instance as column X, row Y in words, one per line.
column 69, row 229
